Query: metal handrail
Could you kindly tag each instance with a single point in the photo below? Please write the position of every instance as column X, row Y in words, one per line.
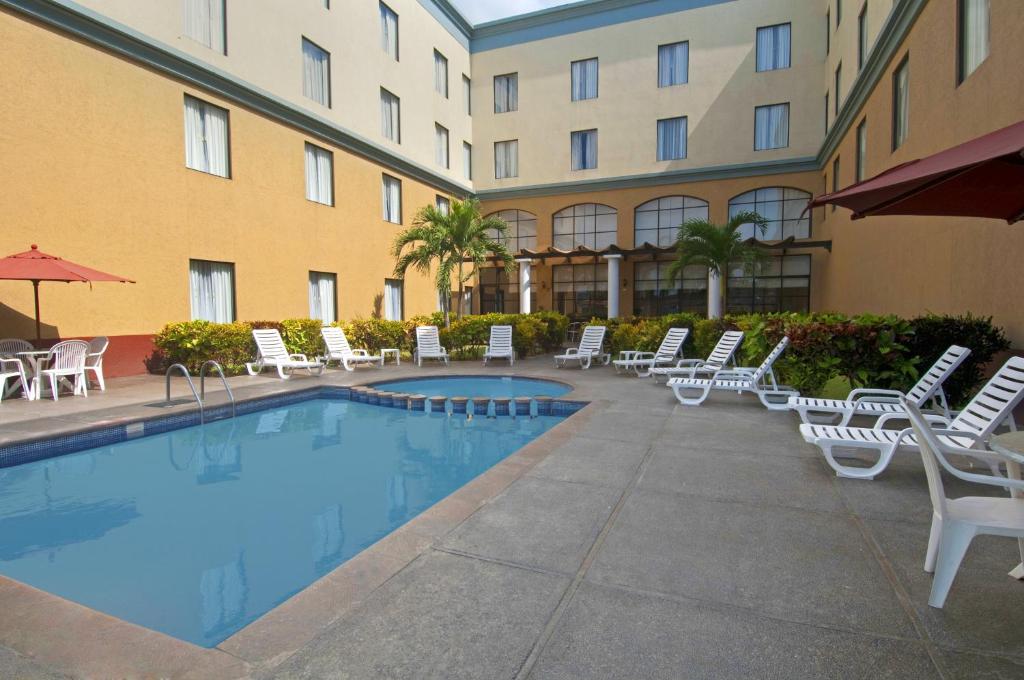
column 191, row 386
column 223, row 380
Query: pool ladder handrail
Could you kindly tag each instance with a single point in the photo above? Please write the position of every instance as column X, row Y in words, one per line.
column 199, row 396
column 191, row 386
column 223, row 381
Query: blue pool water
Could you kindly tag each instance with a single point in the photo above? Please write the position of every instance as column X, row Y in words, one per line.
column 477, row 386
column 199, row 531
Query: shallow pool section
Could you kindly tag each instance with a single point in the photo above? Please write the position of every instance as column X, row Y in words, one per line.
column 199, row 531
column 477, row 386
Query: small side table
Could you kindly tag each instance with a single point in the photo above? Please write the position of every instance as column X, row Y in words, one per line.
column 1011, row 447
column 391, row 351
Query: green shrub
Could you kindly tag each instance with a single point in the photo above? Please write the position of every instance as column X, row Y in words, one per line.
column 377, row 334
column 193, row 342
column 302, row 336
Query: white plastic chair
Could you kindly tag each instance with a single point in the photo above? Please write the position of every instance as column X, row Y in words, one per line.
column 500, row 345
column 272, row 352
column 94, row 359
column 761, row 381
column 641, row 363
column 955, row 522
column 723, row 353
column 591, row 348
column 11, row 346
column 428, row 345
column 65, row 360
column 11, row 368
column 338, row 349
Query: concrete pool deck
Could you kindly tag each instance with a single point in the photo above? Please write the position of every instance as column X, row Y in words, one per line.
column 638, row 538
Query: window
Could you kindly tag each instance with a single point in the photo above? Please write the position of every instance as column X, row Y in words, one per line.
column 862, row 36
column 773, row 47
column 389, row 31
column 393, row 300
column 672, row 139
column 783, row 285
column 782, row 208
column 392, row 199
column 839, row 12
column 521, row 232
column 467, row 93
column 212, row 290
column 204, row 23
column 316, row 73
column 862, row 150
column 826, row 112
column 467, row 160
column 972, row 37
column 506, row 159
column 442, row 204
column 327, row 4
column 319, row 175
column 584, row 79
column 900, row 104
column 771, row 127
column 206, row 138
column 440, row 74
column 499, row 291
column 654, row 294
column 657, row 222
column 673, row 64
column 441, row 145
column 838, row 84
column 390, row 116
column 584, row 149
column 591, row 225
column 581, row 290
column 835, row 178
column 506, row 93
column 323, row 299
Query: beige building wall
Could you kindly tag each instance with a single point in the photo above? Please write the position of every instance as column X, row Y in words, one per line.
column 844, row 41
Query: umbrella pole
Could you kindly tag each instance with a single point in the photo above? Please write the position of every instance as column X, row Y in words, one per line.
column 35, row 287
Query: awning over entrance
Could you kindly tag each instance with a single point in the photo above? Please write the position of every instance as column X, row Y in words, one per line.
column 650, row 250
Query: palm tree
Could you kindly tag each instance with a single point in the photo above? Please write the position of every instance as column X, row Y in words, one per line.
column 714, row 246
column 450, row 241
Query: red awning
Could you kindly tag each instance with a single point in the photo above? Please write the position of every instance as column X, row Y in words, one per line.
column 35, row 265
column 980, row 178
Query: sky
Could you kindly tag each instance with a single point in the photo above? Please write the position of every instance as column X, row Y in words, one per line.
column 478, row 11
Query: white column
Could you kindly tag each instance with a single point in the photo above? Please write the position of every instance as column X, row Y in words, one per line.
column 525, row 286
column 714, row 295
column 613, row 284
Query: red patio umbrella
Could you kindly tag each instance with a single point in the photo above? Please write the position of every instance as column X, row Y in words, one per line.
column 980, row 178
column 35, row 266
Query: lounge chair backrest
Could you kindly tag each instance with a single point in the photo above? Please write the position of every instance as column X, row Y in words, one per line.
column 336, row 341
column 427, row 340
column 672, row 343
column 592, row 340
column 932, row 380
column 67, row 356
column 269, row 343
column 726, row 347
column 501, row 338
column 995, row 401
column 14, row 345
column 766, row 365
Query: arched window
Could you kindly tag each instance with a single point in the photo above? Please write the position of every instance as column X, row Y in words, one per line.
column 588, row 224
column 782, row 207
column 522, row 229
column 657, row 222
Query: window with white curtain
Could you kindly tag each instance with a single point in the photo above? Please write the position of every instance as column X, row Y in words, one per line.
column 900, row 104
column 319, row 175
column 389, row 31
column 584, row 79
column 440, row 74
column 838, row 85
column 506, row 93
column 442, row 204
column 773, row 47
column 393, row 299
column 323, row 296
column 390, row 116
column 212, row 290
column 584, row 149
column 391, row 188
column 506, row 159
column 862, row 36
column 771, row 127
column 862, row 151
column 206, row 137
column 467, row 160
column 673, row 64
column 672, row 138
column 441, row 145
column 973, row 20
column 316, row 73
column 467, row 94
column 327, row 4
column 204, row 23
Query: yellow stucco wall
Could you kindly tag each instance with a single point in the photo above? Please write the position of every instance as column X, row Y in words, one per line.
column 94, row 170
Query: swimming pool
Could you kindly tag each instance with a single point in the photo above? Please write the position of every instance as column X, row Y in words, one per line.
column 477, row 386
column 198, row 531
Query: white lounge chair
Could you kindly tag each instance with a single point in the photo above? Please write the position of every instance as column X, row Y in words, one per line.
column 722, row 354
column 642, row 362
column 761, row 381
column 428, row 345
column 500, row 345
column 272, row 352
column 13, row 369
column 989, row 407
column 65, row 360
column 94, row 359
column 955, row 522
column 878, row 402
column 338, row 349
column 591, row 348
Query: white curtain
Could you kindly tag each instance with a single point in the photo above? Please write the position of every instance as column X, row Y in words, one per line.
column 506, row 159
column 212, row 289
column 390, row 116
column 204, row 22
column 393, row 300
column 392, row 199
column 673, row 64
column 319, row 179
column 206, row 137
column 316, row 69
column 440, row 73
column 771, row 127
column 671, row 139
column 467, row 160
column 506, row 93
column 902, row 105
column 442, row 204
column 584, row 79
column 322, row 296
column 440, row 146
column 975, row 35
column 584, row 149
column 773, row 47
column 389, row 31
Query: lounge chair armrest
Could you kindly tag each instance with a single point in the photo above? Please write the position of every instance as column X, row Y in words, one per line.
column 733, row 374
column 642, row 355
column 903, row 416
column 572, row 350
column 360, row 353
column 695, row 363
column 298, row 357
column 868, row 391
column 875, row 399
